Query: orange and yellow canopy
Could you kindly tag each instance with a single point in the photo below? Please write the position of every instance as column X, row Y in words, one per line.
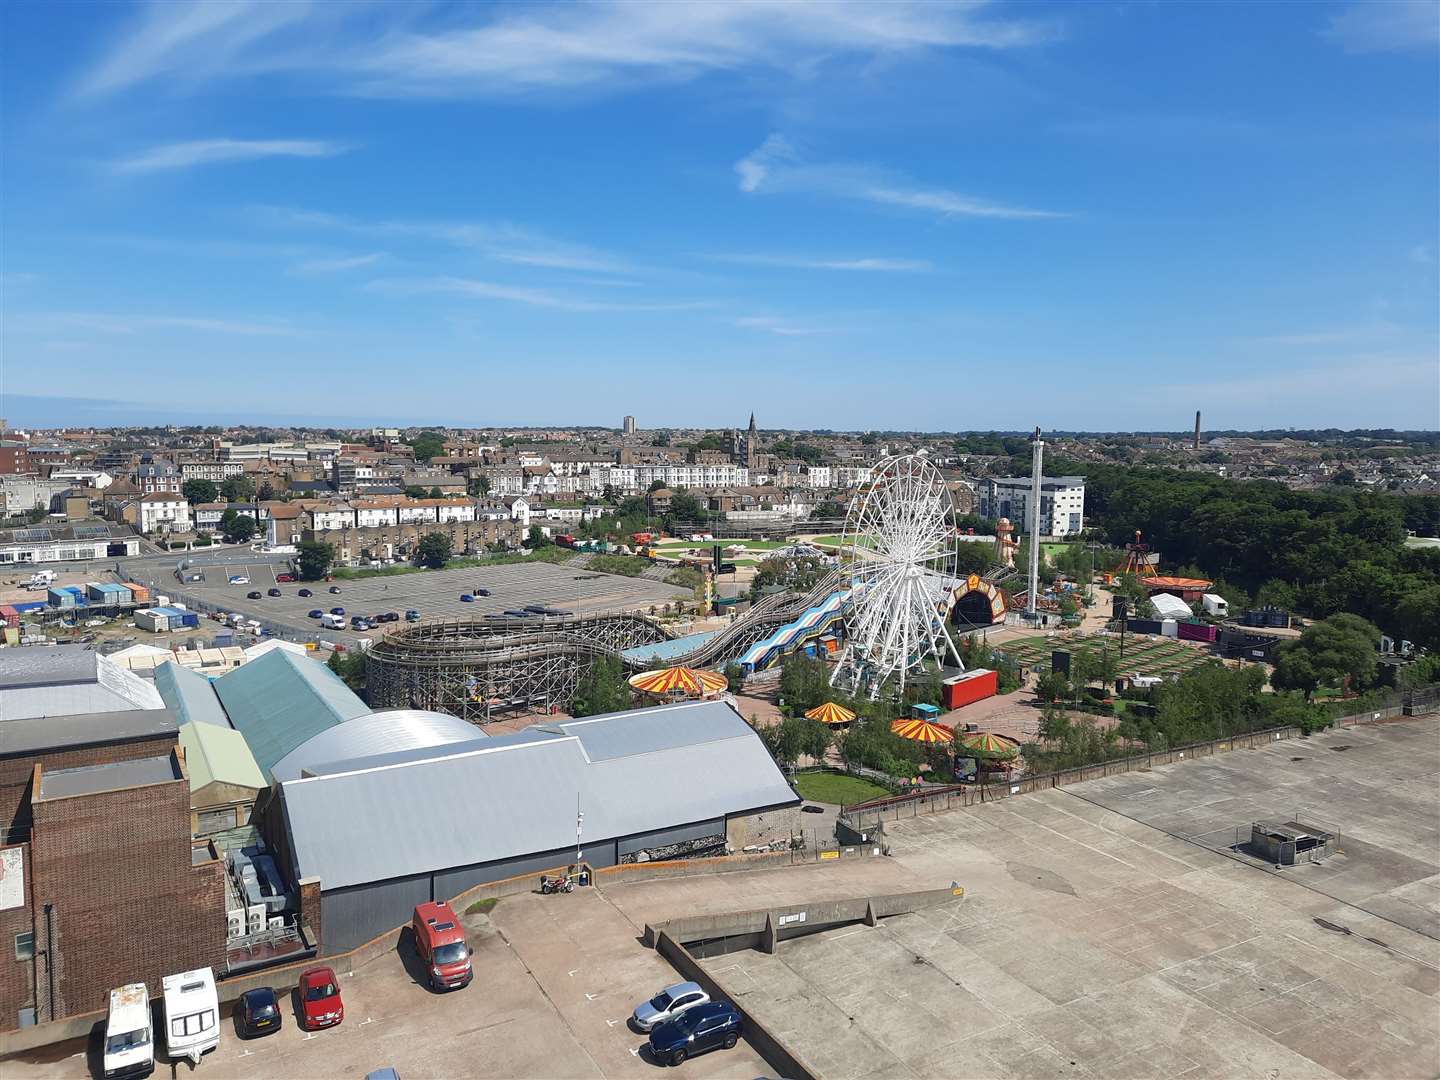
column 679, row 680
column 925, row 731
column 831, row 713
column 986, row 744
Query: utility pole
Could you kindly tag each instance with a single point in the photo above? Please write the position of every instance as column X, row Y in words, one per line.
column 1036, row 462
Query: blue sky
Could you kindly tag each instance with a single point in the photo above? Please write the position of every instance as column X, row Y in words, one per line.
column 909, row 215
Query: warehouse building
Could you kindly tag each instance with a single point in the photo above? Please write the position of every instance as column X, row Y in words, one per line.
column 368, row 835
column 64, row 680
column 67, row 543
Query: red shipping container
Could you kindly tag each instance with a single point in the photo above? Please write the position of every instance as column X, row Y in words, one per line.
column 9, row 616
column 1195, row 631
column 970, row 687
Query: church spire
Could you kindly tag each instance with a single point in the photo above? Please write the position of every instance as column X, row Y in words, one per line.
column 752, row 423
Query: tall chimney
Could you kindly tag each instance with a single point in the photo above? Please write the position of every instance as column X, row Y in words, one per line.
column 1037, row 464
column 1197, row 429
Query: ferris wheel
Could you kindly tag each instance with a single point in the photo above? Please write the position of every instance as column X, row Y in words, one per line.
column 900, row 550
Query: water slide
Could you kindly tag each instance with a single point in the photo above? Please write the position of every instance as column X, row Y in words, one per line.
column 814, row 622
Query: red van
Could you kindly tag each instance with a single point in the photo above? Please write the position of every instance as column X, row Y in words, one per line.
column 440, row 943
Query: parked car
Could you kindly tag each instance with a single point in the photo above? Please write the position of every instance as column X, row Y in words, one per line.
column 258, row 1012
column 304, row 592
column 337, row 611
column 315, row 613
column 335, row 589
column 252, row 595
column 239, row 579
column 515, row 613
column 466, row 598
column 129, row 1034
column 320, row 1002
column 412, row 615
column 536, row 609
column 440, row 944
column 705, row 1027
column 390, row 616
column 272, row 592
column 481, row 592
column 669, row 1003
column 284, row 578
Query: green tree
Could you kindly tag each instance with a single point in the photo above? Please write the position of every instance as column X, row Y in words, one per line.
column 1054, row 724
column 238, row 489
column 415, row 491
column 1340, row 650
column 435, row 493
column 536, row 538
column 804, row 684
column 798, row 573
column 427, row 445
column 313, row 560
column 350, row 666
column 433, row 550
column 602, row 689
column 478, row 486
column 734, row 677
column 199, row 491
column 1052, row 686
column 237, row 528
column 685, row 507
column 265, row 492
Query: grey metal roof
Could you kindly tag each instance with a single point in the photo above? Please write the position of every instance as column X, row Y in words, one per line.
column 37, row 682
column 280, row 700
column 37, row 734
column 190, row 695
column 510, row 796
column 377, row 733
column 89, row 779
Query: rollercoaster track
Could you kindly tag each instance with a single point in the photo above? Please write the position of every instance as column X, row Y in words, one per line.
column 476, row 667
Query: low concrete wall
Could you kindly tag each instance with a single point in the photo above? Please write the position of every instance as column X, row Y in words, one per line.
column 785, row 1061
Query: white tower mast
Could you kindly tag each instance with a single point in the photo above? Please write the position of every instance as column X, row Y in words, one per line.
column 1036, row 465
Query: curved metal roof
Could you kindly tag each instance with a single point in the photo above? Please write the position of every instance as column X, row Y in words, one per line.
column 372, row 734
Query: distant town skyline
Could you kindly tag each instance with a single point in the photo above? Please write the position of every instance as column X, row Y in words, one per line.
column 913, row 216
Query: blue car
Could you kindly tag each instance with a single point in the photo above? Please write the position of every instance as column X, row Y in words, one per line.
column 466, row 598
column 337, row 611
column 316, row 613
column 710, row 1026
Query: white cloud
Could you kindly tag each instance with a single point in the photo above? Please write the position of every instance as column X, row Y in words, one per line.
column 801, row 262
column 106, row 323
column 775, row 325
column 516, row 294
column 776, row 166
column 410, row 51
column 187, row 155
column 340, row 265
column 1386, row 26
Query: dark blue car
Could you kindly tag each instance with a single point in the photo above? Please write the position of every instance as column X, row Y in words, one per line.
column 316, row 613
column 705, row 1027
column 258, row 1012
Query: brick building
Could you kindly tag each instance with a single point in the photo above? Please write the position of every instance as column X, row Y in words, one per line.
column 102, row 885
column 391, row 541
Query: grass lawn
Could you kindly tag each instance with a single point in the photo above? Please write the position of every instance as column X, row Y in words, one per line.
column 836, row 788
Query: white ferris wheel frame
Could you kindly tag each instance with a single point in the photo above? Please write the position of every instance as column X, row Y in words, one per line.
column 895, row 621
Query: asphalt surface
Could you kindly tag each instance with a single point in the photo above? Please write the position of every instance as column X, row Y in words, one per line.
column 433, row 593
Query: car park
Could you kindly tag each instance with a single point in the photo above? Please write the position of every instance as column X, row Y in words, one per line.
column 258, row 1012
column 272, row 592
column 304, row 592
column 335, row 589
column 252, row 595
column 315, row 613
column 320, row 1002
column 669, row 1003
column 711, row 1026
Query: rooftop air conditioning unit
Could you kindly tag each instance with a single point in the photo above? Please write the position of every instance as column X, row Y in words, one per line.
column 255, row 918
column 235, row 923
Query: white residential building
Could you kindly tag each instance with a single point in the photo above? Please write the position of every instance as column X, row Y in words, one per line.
column 850, row 476
column 1062, row 503
column 333, row 516
column 159, row 512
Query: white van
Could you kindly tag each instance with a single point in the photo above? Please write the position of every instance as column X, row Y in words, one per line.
column 332, row 622
column 192, row 1014
column 129, row 1040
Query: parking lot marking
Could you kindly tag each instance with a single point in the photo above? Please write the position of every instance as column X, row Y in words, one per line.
column 608, row 1023
column 591, row 997
column 572, row 973
column 634, row 1051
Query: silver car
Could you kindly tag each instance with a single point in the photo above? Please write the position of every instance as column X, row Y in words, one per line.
column 668, row 1004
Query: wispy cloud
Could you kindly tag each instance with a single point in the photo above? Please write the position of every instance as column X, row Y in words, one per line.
column 501, row 241
column 107, row 323
column 802, row 262
column 411, row 51
column 517, row 294
column 776, row 166
column 773, row 324
column 1386, row 26
column 337, row 266
column 187, row 155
